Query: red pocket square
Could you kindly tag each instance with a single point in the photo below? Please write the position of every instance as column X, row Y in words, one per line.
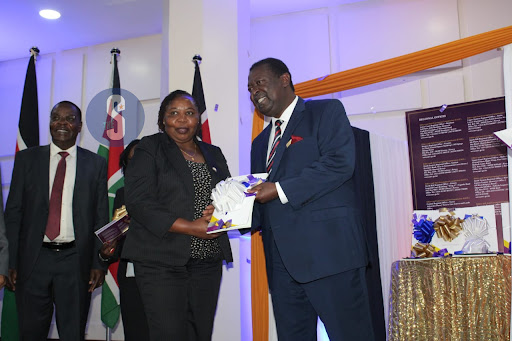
column 293, row 140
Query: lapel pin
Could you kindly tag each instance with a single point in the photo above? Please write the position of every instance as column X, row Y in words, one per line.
column 214, row 169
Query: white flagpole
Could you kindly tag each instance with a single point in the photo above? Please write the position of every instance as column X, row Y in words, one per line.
column 507, row 77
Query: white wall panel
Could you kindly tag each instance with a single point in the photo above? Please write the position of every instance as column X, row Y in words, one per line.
column 445, row 88
column 138, row 64
column 479, row 16
column 12, row 78
column 150, row 126
column 68, row 77
column 300, row 39
column 222, row 71
column 395, row 94
column 484, row 75
column 371, row 31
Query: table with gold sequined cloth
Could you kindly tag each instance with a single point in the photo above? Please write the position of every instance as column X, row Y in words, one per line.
column 459, row 298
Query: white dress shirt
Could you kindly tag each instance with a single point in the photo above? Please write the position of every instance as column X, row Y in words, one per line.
column 285, row 118
column 67, row 232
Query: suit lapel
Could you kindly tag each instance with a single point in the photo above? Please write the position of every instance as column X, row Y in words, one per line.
column 176, row 160
column 295, row 119
column 80, row 173
column 80, row 179
column 260, row 154
column 44, row 166
column 211, row 163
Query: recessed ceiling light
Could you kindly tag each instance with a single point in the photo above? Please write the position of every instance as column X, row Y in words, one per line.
column 49, row 14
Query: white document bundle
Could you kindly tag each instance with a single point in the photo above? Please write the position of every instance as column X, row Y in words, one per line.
column 233, row 204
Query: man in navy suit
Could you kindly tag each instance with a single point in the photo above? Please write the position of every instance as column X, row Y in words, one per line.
column 314, row 242
column 57, row 199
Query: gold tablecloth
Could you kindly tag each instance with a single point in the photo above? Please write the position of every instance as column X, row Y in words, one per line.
column 463, row 298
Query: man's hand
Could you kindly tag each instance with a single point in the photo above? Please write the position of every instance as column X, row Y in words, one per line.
column 107, row 250
column 96, row 279
column 265, row 192
column 3, row 281
column 11, row 281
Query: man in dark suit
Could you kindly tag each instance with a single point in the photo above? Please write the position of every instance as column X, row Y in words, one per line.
column 57, row 199
column 4, row 250
column 314, row 243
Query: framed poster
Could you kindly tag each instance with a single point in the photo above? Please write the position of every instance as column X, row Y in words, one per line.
column 456, row 160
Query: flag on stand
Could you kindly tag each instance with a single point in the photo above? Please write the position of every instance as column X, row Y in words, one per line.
column 198, row 94
column 28, row 136
column 113, row 135
column 28, row 126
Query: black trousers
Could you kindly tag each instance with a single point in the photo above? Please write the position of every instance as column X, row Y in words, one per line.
column 180, row 301
column 54, row 281
column 135, row 324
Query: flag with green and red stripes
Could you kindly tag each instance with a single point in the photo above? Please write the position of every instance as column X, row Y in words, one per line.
column 111, row 149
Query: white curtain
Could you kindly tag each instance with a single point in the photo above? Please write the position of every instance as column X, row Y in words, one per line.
column 393, row 204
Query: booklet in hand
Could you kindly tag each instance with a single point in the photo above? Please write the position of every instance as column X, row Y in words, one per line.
column 116, row 228
column 233, row 204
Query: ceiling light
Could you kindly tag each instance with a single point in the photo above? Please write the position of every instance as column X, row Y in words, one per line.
column 49, row 14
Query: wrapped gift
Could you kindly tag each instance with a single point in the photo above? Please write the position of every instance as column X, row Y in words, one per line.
column 233, row 204
column 448, row 229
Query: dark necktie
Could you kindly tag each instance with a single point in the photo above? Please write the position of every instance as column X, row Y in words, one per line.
column 53, row 224
column 275, row 143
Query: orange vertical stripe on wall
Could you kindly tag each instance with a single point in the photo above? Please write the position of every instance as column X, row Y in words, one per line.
column 259, row 287
column 259, row 290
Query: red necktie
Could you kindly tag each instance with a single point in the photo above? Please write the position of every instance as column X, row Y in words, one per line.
column 53, row 225
column 275, row 143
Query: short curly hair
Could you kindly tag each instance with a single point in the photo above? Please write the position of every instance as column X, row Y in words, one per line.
column 167, row 100
column 276, row 66
column 71, row 104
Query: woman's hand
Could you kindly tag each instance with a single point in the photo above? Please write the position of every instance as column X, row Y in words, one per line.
column 208, row 212
column 196, row 228
column 199, row 226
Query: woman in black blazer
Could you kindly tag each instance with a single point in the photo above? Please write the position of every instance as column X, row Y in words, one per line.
column 178, row 267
